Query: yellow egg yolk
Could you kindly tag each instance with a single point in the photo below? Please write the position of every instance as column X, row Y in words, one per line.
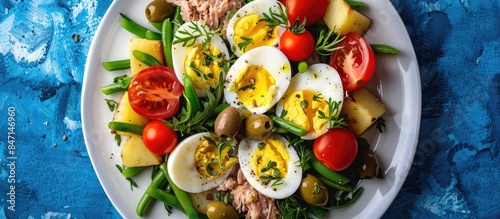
column 203, row 66
column 255, row 86
column 303, row 108
column 249, row 33
column 207, row 160
column 270, row 160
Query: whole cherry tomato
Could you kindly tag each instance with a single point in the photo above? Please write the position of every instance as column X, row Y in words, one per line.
column 154, row 92
column 337, row 148
column 297, row 46
column 355, row 61
column 311, row 10
column 159, row 138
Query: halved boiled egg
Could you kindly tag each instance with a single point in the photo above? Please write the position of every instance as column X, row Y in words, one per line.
column 271, row 166
column 194, row 165
column 199, row 52
column 306, row 101
column 258, row 79
column 246, row 30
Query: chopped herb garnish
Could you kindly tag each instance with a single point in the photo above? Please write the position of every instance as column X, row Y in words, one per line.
column 380, row 125
column 243, row 45
column 118, row 139
column 261, row 145
column 246, row 87
column 317, row 97
column 198, row 72
column 111, row 104
column 304, row 104
column 317, row 188
column 333, row 117
column 132, row 182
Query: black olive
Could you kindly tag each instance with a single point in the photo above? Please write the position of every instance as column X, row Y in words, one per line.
column 368, row 166
column 228, row 122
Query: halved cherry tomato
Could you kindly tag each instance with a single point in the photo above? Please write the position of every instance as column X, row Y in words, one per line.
column 355, row 62
column 311, row 10
column 297, row 47
column 337, row 148
column 159, row 138
column 154, row 92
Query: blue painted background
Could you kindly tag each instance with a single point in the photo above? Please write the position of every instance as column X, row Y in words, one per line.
column 43, row 47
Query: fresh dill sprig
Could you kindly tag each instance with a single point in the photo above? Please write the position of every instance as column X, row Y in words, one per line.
column 188, row 38
column 333, row 116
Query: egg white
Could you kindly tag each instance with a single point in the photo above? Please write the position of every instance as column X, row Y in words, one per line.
column 291, row 181
column 179, row 52
column 270, row 58
column 320, row 77
column 182, row 169
column 255, row 7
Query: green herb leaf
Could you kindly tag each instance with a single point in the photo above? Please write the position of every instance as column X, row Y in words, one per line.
column 261, row 145
column 243, row 45
column 118, row 139
column 111, row 104
column 325, row 45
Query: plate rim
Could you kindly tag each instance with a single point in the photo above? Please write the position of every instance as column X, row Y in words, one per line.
column 101, row 32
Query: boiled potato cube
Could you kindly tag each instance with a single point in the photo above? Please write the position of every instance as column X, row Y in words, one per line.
column 136, row 154
column 344, row 19
column 125, row 113
column 151, row 47
column 363, row 109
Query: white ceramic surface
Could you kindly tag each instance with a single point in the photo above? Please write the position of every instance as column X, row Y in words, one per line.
column 397, row 81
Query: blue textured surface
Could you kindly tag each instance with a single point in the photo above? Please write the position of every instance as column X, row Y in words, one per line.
column 454, row 175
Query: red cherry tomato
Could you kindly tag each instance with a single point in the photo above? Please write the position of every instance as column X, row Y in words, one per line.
column 355, row 62
column 337, row 148
column 297, row 47
column 159, row 138
column 311, row 10
column 154, row 92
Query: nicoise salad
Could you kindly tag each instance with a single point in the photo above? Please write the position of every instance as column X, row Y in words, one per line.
column 248, row 109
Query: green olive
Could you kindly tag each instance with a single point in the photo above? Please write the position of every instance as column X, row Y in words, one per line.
column 258, row 127
column 221, row 210
column 159, row 10
column 368, row 164
column 228, row 122
column 313, row 191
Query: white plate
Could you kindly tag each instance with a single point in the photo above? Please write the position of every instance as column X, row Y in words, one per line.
column 397, row 80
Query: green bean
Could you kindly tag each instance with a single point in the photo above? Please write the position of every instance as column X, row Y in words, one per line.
column 157, row 25
column 177, row 21
column 183, row 196
column 126, row 127
column 112, row 88
column 302, row 66
column 151, row 35
column 334, row 185
column 318, row 212
column 167, row 37
column 158, row 181
column 289, row 126
column 116, row 65
column 355, row 4
column 193, row 103
column 145, row 58
column 134, row 28
column 354, row 196
column 132, row 171
column 384, row 49
column 327, row 173
column 164, row 197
